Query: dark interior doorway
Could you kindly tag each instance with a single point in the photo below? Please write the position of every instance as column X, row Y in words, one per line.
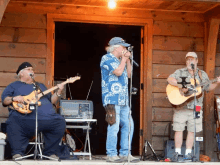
column 78, row 49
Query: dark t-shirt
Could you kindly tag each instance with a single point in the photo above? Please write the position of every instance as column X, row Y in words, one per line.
column 45, row 110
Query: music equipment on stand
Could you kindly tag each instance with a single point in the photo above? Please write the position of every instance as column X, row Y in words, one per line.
column 170, row 149
column 77, row 109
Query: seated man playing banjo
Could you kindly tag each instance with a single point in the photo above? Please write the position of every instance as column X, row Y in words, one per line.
column 20, row 127
column 183, row 113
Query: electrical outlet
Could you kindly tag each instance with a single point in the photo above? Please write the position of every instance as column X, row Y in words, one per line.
column 200, row 139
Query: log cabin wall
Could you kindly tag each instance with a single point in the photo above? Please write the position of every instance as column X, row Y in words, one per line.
column 23, row 38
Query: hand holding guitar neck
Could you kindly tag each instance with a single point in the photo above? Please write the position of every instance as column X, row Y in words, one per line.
column 23, row 107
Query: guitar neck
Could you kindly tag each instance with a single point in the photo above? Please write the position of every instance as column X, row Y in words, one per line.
column 212, row 81
column 50, row 90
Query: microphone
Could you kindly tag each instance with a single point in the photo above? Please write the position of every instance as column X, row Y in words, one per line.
column 136, row 64
column 192, row 66
column 31, row 74
column 130, row 48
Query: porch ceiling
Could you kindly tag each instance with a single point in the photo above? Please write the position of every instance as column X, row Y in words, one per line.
column 196, row 6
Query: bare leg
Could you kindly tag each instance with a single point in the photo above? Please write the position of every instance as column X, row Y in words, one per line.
column 189, row 140
column 178, row 138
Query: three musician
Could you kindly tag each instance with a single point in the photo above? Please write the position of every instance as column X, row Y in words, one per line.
column 183, row 114
column 116, row 69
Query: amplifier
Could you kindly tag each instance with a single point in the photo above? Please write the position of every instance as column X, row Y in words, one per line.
column 170, row 149
column 76, row 109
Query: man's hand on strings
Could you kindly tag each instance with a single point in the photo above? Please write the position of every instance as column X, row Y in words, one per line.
column 183, row 91
column 19, row 99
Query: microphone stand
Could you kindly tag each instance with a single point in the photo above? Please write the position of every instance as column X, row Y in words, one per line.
column 34, row 106
column 194, row 114
column 130, row 96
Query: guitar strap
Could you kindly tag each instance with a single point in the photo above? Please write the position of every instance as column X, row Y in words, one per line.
column 38, row 84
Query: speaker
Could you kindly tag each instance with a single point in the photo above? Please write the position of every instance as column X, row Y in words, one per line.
column 76, row 109
column 170, row 149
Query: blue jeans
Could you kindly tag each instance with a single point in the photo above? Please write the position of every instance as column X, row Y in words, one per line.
column 122, row 120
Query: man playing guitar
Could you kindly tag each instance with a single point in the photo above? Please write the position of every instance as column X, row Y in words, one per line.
column 183, row 114
column 20, row 127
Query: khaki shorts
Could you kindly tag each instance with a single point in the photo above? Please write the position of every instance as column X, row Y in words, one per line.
column 184, row 117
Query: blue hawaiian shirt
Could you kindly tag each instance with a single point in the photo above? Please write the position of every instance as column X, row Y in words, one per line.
column 114, row 88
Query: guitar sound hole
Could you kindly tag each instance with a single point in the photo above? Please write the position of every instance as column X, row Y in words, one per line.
column 190, row 91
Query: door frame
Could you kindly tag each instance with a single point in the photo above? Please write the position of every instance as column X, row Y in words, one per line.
column 145, row 63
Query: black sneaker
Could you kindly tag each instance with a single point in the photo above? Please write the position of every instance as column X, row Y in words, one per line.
column 177, row 158
column 188, row 157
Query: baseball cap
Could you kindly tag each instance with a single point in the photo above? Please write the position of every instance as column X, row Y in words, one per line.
column 23, row 65
column 118, row 41
column 191, row 54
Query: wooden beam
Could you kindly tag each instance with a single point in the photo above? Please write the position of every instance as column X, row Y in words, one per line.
column 9, row 34
column 24, row 20
column 208, row 1
column 178, row 43
column 23, row 50
column 141, row 139
column 148, row 41
column 178, row 29
column 209, row 67
column 195, row 6
column 214, row 13
column 50, row 52
column 17, row 7
column 174, row 57
column 3, row 5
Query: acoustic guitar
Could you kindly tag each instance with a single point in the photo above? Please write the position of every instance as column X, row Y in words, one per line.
column 175, row 97
column 31, row 98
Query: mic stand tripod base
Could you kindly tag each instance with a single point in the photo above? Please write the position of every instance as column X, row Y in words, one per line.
column 37, row 143
column 36, row 153
column 20, row 158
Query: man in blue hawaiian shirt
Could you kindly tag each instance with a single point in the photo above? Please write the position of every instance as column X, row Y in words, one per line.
column 116, row 69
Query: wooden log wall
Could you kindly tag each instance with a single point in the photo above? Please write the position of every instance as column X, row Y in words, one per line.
column 22, row 38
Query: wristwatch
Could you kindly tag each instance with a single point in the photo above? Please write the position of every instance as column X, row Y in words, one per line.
column 12, row 98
